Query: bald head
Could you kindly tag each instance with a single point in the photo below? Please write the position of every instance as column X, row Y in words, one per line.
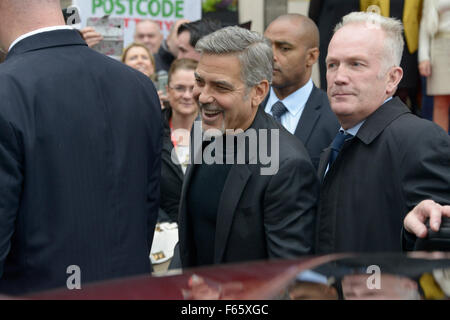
column 295, row 44
column 18, row 17
column 148, row 33
column 303, row 28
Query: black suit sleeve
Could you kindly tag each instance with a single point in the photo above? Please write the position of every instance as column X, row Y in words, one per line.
column 153, row 198
column 428, row 172
column 290, row 209
column 408, row 240
column 11, row 178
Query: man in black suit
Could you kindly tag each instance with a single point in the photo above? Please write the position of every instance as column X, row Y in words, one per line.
column 80, row 144
column 307, row 113
column 326, row 14
column 385, row 161
column 243, row 209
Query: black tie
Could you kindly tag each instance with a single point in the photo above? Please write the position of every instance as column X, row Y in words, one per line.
column 337, row 143
column 278, row 109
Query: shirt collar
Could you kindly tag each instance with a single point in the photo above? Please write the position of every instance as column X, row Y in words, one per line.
column 295, row 102
column 353, row 131
column 41, row 30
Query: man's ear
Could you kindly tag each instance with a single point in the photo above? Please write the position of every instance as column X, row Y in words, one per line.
column 395, row 75
column 260, row 92
column 311, row 56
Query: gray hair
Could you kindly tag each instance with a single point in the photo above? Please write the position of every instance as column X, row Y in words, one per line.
column 393, row 30
column 253, row 50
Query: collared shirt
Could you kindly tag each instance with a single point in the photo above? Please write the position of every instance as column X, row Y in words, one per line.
column 354, row 131
column 294, row 103
column 41, row 30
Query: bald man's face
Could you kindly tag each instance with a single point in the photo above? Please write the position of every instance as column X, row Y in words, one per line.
column 290, row 55
column 148, row 34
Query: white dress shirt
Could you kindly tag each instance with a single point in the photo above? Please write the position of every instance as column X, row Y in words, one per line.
column 294, row 103
column 41, row 30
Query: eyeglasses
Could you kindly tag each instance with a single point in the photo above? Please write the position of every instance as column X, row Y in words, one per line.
column 182, row 89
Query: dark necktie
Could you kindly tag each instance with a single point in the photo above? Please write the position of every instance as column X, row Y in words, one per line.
column 337, row 143
column 278, row 109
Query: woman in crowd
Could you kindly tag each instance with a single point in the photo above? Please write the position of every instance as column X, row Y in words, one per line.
column 139, row 57
column 434, row 56
column 178, row 119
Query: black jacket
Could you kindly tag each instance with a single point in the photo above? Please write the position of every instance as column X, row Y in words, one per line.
column 80, row 150
column 327, row 14
column 171, row 174
column 260, row 216
column 395, row 161
column 163, row 58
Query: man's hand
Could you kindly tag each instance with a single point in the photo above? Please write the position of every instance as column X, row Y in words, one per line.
column 91, row 36
column 415, row 220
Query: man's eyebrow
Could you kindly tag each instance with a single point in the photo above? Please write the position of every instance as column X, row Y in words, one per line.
column 349, row 58
column 223, row 84
column 282, row 43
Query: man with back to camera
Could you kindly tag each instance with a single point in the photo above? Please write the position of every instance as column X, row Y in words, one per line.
column 294, row 100
column 80, row 145
column 385, row 161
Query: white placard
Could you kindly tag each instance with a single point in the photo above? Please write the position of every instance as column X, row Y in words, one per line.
column 165, row 12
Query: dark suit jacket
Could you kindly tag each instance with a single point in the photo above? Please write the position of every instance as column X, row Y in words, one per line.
column 260, row 217
column 80, row 147
column 171, row 174
column 163, row 58
column 317, row 126
column 327, row 14
column 409, row 60
column 395, row 161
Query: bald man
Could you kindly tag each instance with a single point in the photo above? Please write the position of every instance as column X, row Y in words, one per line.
column 80, row 148
column 148, row 33
column 294, row 100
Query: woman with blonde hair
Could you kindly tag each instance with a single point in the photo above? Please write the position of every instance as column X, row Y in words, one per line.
column 139, row 57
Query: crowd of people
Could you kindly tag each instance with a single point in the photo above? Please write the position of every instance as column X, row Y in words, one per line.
column 88, row 169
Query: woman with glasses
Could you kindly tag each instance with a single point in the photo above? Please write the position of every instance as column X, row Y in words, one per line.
column 178, row 119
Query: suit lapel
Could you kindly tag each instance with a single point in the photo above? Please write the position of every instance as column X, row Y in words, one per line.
column 196, row 150
column 234, row 187
column 185, row 245
column 324, row 159
column 182, row 214
column 235, row 184
column 309, row 117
